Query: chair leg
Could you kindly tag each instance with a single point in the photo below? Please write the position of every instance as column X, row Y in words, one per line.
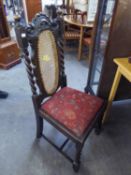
column 39, row 126
column 98, row 126
column 39, row 120
column 76, row 163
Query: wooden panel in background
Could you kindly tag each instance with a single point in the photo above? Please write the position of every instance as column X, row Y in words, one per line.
column 32, row 7
column 9, row 52
column 4, row 30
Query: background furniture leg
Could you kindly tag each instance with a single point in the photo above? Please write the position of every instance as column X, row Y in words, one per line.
column 112, row 94
column 80, row 43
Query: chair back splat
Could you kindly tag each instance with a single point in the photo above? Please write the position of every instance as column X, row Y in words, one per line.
column 71, row 112
column 43, row 50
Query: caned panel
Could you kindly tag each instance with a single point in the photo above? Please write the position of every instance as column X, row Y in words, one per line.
column 48, row 61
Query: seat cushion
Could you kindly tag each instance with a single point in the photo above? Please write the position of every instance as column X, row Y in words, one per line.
column 73, row 109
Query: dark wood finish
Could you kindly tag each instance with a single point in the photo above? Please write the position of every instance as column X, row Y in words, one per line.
column 30, row 36
column 4, row 31
column 118, row 45
column 33, row 7
column 9, row 53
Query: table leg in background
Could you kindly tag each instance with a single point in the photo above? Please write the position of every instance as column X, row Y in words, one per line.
column 112, row 94
column 80, row 43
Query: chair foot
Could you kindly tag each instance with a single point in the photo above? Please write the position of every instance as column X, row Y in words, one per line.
column 97, row 131
column 76, row 163
column 76, row 166
column 38, row 136
column 98, row 127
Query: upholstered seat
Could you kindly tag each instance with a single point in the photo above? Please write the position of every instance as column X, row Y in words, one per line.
column 73, row 109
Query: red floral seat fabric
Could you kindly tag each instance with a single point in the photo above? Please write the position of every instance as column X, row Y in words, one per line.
column 73, row 109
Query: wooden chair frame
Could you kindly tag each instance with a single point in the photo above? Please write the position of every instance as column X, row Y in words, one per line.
column 30, row 38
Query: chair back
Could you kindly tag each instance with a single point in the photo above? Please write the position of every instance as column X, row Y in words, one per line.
column 44, row 55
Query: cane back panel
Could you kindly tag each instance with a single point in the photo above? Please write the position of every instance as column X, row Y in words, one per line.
column 44, row 60
column 48, row 61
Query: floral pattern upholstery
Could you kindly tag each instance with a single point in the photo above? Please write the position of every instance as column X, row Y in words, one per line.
column 73, row 109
